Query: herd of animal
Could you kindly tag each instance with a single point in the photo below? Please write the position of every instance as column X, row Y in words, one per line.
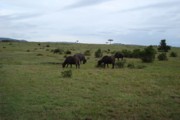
column 78, row 58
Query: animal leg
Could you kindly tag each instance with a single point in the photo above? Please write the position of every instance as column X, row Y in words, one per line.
column 112, row 65
column 104, row 65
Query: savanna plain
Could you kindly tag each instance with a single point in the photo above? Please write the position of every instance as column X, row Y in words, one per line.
column 32, row 86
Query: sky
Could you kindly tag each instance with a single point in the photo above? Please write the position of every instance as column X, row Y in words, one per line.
column 141, row 22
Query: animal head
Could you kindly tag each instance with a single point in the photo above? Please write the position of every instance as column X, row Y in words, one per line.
column 99, row 62
column 63, row 65
column 84, row 61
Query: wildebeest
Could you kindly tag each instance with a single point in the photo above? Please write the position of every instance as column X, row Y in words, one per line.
column 107, row 60
column 81, row 57
column 71, row 60
column 118, row 55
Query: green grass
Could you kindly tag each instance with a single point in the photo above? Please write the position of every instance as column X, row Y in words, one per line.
column 32, row 88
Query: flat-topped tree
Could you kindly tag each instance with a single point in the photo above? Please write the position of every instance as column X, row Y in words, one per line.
column 110, row 40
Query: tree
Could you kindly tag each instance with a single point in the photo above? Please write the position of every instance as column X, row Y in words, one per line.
column 163, row 47
column 148, row 54
column 110, row 40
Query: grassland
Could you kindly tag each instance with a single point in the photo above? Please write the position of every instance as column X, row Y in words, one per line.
column 32, row 88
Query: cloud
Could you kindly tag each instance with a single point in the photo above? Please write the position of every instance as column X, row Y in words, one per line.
column 84, row 3
column 91, row 21
column 159, row 5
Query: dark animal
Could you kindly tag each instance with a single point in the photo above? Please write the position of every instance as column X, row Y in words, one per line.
column 119, row 55
column 107, row 60
column 81, row 57
column 71, row 60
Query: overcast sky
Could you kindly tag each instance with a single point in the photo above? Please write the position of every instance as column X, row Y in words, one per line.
column 143, row 22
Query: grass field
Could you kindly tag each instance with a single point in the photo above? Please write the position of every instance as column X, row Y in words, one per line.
column 32, row 88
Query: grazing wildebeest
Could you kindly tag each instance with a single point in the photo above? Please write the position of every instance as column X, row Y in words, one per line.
column 81, row 57
column 118, row 55
column 107, row 60
column 71, row 60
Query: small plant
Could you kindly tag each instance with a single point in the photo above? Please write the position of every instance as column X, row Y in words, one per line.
column 39, row 54
column 120, row 64
column 131, row 65
column 173, row 54
column 27, row 50
column 140, row 66
column 66, row 74
column 162, row 57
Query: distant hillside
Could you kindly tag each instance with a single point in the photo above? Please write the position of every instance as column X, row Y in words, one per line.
column 10, row 40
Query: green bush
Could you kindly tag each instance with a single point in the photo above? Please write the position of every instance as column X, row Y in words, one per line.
column 47, row 45
column 57, row 50
column 131, row 65
column 140, row 66
column 127, row 53
column 98, row 53
column 148, row 54
column 68, row 52
column 173, row 54
column 162, row 57
column 66, row 74
column 120, row 64
column 136, row 53
column 87, row 53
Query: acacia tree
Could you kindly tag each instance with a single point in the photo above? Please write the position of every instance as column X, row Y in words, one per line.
column 163, row 47
column 110, row 40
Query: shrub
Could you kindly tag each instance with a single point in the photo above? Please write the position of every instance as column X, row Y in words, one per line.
column 148, row 54
column 47, row 45
column 39, row 54
column 68, row 52
column 87, row 53
column 136, row 53
column 131, row 65
column 162, row 57
column 120, row 64
column 66, row 74
column 173, row 54
column 58, row 50
column 127, row 53
column 98, row 53
column 140, row 66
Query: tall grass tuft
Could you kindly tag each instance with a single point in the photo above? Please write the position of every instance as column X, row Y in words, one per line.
column 66, row 74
